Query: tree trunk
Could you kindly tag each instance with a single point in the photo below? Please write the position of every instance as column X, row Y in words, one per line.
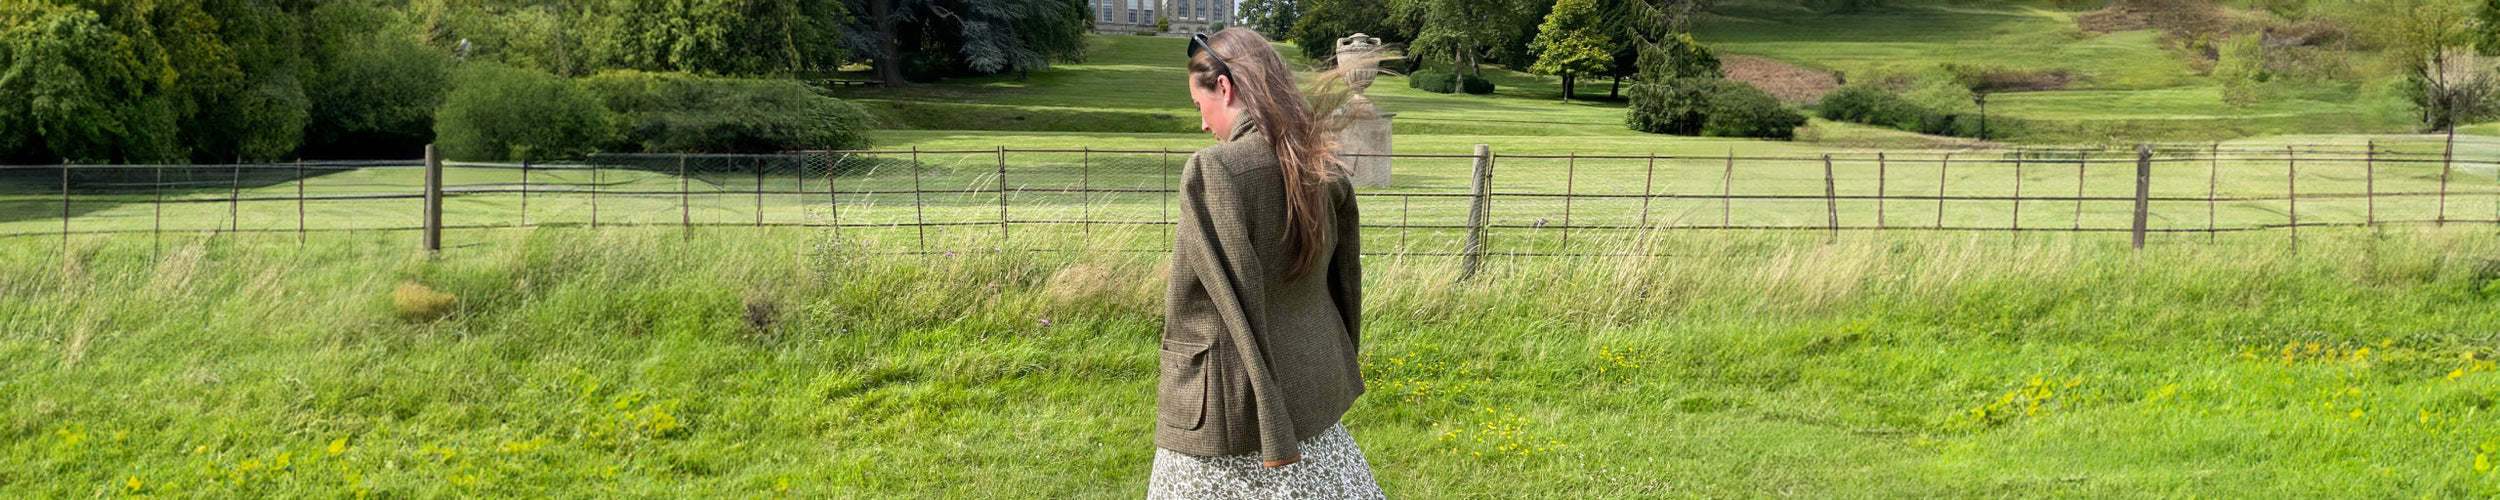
column 1617, row 91
column 889, row 66
column 1567, row 80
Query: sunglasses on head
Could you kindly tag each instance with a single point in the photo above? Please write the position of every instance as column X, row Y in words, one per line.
column 1200, row 43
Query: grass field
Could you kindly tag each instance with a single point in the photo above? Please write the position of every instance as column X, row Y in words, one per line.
column 626, row 363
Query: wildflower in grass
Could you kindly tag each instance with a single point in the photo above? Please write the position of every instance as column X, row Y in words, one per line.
column 338, row 447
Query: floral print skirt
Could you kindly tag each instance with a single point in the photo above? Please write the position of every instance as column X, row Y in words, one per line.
column 1332, row 467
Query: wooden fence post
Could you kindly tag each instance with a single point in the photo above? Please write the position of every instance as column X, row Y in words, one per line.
column 525, row 193
column 2018, row 194
column 759, row 191
column 1478, row 211
column 234, row 199
column 2143, row 190
column 433, row 200
column 594, row 195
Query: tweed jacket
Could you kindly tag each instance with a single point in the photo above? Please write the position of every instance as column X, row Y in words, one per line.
column 1252, row 360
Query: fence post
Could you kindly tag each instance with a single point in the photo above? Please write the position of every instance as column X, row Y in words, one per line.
column 525, row 193
column 2447, row 161
column 2213, row 183
column 759, row 192
column 2018, row 193
column 1942, row 169
column 1883, row 169
column 1727, row 191
column 65, row 213
column 299, row 201
column 1648, row 189
column 685, row 195
column 234, row 198
column 2369, row 193
column 1002, row 196
column 1571, row 176
column 919, row 210
column 1085, row 184
column 2143, row 190
column 1477, row 212
column 157, row 235
column 433, row 200
column 832, row 193
column 2083, row 163
column 594, row 195
column 1831, row 199
column 2291, row 192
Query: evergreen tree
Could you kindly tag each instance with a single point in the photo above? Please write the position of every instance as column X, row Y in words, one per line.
column 929, row 39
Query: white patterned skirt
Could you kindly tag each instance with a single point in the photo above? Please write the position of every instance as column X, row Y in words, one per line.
column 1332, row 467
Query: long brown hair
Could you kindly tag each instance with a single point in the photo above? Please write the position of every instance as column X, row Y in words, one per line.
column 1301, row 129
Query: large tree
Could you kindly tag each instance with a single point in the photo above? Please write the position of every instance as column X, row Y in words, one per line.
column 1464, row 30
column 1572, row 42
column 2430, row 39
column 1324, row 21
column 1274, row 18
column 928, row 39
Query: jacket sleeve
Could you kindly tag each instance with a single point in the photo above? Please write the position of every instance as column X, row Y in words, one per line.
column 1345, row 270
column 1213, row 227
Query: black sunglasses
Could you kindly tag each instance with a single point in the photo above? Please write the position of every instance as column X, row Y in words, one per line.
column 1199, row 43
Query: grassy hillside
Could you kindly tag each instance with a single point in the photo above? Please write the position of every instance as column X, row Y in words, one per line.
column 2127, row 87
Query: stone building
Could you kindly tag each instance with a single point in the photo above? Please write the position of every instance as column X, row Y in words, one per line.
column 1138, row 16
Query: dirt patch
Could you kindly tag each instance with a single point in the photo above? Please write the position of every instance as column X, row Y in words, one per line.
column 1788, row 82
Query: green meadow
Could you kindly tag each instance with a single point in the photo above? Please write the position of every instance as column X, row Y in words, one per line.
column 537, row 356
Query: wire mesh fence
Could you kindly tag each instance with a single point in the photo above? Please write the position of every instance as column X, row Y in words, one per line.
column 936, row 201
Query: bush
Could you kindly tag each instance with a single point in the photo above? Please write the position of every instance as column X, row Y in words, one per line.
column 1441, row 83
column 1871, row 105
column 1741, row 110
column 1712, row 107
column 677, row 113
column 497, row 112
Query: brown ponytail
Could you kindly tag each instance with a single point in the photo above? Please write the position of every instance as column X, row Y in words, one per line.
column 1301, row 129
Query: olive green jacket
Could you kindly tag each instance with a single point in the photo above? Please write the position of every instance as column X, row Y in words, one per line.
column 1253, row 361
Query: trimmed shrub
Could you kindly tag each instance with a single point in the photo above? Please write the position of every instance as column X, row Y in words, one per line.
column 678, row 113
column 1738, row 109
column 1441, row 83
column 496, row 112
column 1872, row 105
column 1431, row 81
column 1711, row 107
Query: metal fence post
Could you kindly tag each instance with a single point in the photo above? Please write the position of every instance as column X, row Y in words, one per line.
column 2291, row 192
column 2369, row 193
column 1085, row 185
column 1942, row 169
column 1477, row 212
column 1002, row 196
column 299, row 201
column 433, row 200
column 1831, row 199
column 1727, row 191
column 1883, row 174
column 2213, row 184
column 833, row 193
column 2083, row 163
column 1648, row 189
column 2447, row 162
column 64, row 213
column 2143, row 190
column 525, row 193
column 919, row 207
column 157, row 233
column 234, row 199
column 1571, row 176
column 759, row 192
column 2018, row 194
column 594, row 195
column 685, row 203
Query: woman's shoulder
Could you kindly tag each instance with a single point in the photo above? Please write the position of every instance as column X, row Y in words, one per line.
column 1249, row 153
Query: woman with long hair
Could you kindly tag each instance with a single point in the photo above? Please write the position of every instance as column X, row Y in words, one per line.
column 1265, row 302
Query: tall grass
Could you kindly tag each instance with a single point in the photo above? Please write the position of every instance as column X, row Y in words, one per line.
column 629, row 363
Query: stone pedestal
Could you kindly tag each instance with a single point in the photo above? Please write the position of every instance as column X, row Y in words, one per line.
column 1367, row 136
column 1368, row 131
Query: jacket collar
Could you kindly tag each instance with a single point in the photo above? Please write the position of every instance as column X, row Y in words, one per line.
column 1242, row 125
